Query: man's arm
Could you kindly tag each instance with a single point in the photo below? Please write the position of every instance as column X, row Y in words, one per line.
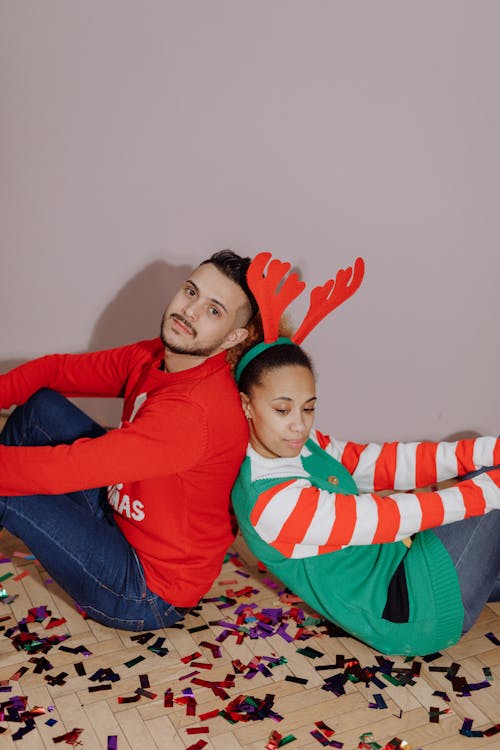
column 164, row 438
column 101, row 373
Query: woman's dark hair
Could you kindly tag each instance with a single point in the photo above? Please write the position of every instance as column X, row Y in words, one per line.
column 280, row 355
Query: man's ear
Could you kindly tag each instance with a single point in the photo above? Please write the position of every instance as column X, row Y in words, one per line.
column 234, row 338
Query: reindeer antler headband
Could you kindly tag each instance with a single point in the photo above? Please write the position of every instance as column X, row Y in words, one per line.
column 273, row 301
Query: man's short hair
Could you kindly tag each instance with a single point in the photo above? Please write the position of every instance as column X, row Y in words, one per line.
column 235, row 268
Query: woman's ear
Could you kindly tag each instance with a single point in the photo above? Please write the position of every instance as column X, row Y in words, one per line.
column 245, row 404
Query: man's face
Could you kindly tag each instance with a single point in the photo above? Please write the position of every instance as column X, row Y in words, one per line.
column 206, row 316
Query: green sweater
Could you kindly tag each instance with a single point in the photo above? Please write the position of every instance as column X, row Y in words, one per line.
column 346, row 584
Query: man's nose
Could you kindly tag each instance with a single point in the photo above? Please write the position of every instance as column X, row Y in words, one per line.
column 190, row 309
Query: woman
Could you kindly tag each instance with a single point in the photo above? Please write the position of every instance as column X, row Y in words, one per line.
column 406, row 573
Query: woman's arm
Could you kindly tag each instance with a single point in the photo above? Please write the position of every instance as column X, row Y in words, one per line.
column 301, row 520
column 404, row 466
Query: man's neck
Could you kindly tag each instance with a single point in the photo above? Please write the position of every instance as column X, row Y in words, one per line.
column 173, row 362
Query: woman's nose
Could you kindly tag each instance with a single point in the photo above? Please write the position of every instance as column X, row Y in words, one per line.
column 298, row 424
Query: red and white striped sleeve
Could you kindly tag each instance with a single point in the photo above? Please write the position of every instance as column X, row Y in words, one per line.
column 405, row 466
column 300, row 520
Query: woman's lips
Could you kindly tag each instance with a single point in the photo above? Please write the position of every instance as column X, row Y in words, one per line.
column 295, row 443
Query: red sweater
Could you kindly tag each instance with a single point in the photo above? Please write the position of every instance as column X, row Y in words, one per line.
column 169, row 467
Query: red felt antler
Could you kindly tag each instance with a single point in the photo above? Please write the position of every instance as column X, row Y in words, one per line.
column 326, row 298
column 271, row 300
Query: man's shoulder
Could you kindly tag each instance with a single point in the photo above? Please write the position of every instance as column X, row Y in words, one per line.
column 144, row 350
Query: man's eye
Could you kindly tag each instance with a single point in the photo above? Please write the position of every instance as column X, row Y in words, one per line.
column 190, row 291
column 310, row 408
column 282, row 411
column 214, row 311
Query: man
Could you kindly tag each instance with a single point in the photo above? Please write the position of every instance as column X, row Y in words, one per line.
column 142, row 547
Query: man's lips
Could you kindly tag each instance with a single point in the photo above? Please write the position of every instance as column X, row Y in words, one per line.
column 182, row 325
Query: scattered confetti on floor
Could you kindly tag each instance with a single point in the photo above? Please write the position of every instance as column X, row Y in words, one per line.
column 242, row 622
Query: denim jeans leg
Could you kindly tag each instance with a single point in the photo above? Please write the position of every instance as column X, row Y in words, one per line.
column 474, row 547
column 47, row 418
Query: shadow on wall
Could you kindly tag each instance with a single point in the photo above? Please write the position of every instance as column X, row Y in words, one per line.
column 134, row 314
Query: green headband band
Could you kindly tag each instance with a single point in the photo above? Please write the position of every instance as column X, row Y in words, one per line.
column 255, row 351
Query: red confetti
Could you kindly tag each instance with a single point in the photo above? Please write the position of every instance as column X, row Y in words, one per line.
column 21, row 575
column 209, row 715
column 197, row 745
column 70, row 738
column 187, row 659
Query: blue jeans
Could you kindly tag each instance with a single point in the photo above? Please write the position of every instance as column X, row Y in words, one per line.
column 474, row 547
column 74, row 535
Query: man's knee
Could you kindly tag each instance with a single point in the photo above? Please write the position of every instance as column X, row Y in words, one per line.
column 47, row 418
column 46, row 398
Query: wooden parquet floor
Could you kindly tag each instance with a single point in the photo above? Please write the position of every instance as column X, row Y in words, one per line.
column 66, row 687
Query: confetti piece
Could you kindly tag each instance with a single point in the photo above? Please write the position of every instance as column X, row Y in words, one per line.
column 197, row 628
column 112, row 742
column 209, row 715
column 24, row 555
column 434, row 714
column 467, row 731
column 201, row 665
column 71, row 738
column 187, row 659
column 17, row 675
column 54, row 622
column 490, row 636
column 319, row 738
column 129, row 699
column 133, row 662
column 190, row 674
column 310, row 652
column 327, row 731
column 142, row 638
column 54, row 680
column 197, row 745
column 214, row 648
column 146, row 693
column 21, row 575
column 495, row 729
column 157, row 647
column 197, row 730
column 299, row 680
column 29, row 726
column 379, row 701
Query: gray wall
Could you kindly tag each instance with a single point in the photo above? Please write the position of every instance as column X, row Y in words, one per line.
column 138, row 137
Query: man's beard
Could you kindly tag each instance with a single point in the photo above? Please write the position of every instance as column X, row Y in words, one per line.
column 176, row 349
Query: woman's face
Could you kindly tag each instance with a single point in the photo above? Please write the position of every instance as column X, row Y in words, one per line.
column 281, row 411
